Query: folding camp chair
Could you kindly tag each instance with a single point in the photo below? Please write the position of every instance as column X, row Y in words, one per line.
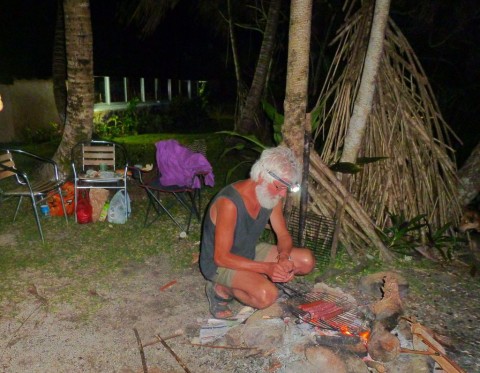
column 99, row 164
column 18, row 183
column 186, row 172
column 186, row 197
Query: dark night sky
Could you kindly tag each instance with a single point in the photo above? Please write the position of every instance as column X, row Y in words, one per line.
column 184, row 47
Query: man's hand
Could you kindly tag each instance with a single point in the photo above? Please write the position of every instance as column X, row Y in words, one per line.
column 281, row 271
column 286, row 262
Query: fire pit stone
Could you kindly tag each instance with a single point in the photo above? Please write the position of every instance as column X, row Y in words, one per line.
column 372, row 284
column 325, row 359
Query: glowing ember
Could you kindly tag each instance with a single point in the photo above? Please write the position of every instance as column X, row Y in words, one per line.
column 364, row 336
column 344, row 330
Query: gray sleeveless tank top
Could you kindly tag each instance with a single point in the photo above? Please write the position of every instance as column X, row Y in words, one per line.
column 246, row 235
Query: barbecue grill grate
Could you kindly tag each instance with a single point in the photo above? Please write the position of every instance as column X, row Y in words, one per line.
column 350, row 319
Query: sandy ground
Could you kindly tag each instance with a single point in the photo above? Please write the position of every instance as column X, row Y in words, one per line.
column 40, row 338
column 37, row 337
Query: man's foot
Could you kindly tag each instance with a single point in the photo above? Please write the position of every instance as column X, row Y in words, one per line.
column 218, row 305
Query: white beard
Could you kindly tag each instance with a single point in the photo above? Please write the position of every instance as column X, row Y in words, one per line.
column 265, row 198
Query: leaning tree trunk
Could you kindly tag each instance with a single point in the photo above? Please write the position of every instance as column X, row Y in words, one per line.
column 241, row 89
column 296, row 94
column 79, row 48
column 363, row 102
column 469, row 177
column 295, row 130
column 59, row 65
column 247, row 123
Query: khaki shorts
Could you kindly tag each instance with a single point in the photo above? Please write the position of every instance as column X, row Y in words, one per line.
column 224, row 275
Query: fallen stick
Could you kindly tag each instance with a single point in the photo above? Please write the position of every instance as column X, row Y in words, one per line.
column 153, row 342
column 166, row 286
column 182, row 364
column 446, row 363
column 142, row 353
column 19, row 327
column 418, row 352
column 223, row 347
column 420, row 333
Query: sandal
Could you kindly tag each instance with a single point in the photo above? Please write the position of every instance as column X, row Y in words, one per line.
column 218, row 305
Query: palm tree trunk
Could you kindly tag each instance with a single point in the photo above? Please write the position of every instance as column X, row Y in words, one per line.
column 59, row 65
column 79, row 48
column 295, row 104
column 247, row 121
column 363, row 102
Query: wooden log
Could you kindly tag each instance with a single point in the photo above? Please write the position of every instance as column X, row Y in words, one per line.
column 390, row 308
column 382, row 345
column 338, row 340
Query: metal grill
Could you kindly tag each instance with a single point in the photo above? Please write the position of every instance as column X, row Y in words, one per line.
column 347, row 320
column 317, row 235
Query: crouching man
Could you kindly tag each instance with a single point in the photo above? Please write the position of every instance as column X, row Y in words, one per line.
column 231, row 259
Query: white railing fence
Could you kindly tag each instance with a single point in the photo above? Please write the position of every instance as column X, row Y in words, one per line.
column 120, row 90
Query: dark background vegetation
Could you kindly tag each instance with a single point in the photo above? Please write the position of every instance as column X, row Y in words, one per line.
column 186, row 45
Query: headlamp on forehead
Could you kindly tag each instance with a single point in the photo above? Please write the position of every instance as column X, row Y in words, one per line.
column 291, row 187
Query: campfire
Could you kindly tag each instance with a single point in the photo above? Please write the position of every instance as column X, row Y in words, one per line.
column 331, row 331
column 364, row 330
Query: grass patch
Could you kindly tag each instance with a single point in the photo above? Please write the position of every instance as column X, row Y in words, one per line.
column 77, row 257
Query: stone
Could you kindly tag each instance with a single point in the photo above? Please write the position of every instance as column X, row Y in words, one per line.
column 336, row 292
column 265, row 334
column 325, row 360
column 234, row 336
column 407, row 363
column 302, row 366
column 372, row 284
column 353, row 363
column 275, row 311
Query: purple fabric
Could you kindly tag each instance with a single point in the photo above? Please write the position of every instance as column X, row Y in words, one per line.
column 179, row 165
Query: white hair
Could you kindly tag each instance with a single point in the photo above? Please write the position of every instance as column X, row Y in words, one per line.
column 279, row 160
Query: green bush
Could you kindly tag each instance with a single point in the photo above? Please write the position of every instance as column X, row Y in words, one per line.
column 118, row 123
column 183, row 115
column 51, row 132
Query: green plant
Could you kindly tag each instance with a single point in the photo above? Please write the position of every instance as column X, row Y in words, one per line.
column 406, row 236
column 250, row 147
column 107, row 126
column 353, row 168
column 119, row 123
column 129, row 118
column 51, row 132
column 443, row 241
column 278, row 119
column 402, row 236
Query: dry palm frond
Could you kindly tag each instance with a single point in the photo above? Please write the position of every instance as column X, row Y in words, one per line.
column 405, row 125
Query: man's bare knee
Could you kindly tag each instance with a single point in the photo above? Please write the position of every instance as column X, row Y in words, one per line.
column 305, row 262
column 266, row 296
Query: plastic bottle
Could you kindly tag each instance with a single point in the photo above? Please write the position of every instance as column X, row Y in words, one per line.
column 104, row 212
column 45, row 210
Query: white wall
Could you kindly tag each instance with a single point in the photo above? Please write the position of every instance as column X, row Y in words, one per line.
column 26, row 103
